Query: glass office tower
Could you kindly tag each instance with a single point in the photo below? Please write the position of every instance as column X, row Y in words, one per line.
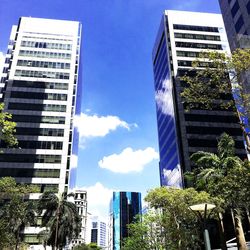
column 41, row 90
column 181, row 36
column 124, row 207
column 236, row 16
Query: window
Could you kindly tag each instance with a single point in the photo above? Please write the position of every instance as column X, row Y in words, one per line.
column 40, row 131
column 33, row 44
column 187, row 53
column 43, row 54
column 29, row 158
column 39, row 119
column 42, row 64
column 195, row 28
column 239, row 24
column 40, row 144
column 43, row 96
column 235, row 8
column 38, row 107
column 30, row 173
column 42, row 74
column 38, row 84
column 196, row 36
column 248, row 7
column 198, row 45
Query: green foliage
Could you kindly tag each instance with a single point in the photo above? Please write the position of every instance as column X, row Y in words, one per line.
column 209, row 82
column 224, row 176
column 208, row 87
column 15, row 211
column 7, row 127
column 145, row 233
column 206, row 84
column 89, row 246
column 171, row 224
column 60, row 217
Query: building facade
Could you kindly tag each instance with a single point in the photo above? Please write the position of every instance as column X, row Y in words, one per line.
column 41, row 90
column 40, row 86
column 98, row 232
column 180, row 39
column 124, row 207
column 236, row 16
column 80, row 200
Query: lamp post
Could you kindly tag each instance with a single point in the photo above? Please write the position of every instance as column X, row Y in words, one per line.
column 198, row 209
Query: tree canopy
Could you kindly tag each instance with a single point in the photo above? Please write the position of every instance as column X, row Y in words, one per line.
column 171, row 224
column 60, row 217
column 7, row 127
column 15, row 211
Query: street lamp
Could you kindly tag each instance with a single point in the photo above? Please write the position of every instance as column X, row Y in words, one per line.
column 198, row 209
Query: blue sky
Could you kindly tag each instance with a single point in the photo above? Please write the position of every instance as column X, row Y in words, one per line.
column 119, row 145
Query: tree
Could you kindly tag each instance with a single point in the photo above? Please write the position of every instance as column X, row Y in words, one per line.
column 60, row 217
column 7, row 127
column 224, row 175
column 173, row 225
column 89, row 246
column 15, row 211
column 209, row 84
column 145, row 233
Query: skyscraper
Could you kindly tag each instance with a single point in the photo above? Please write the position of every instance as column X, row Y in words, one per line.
column 236, row 16
column 41, row 88
column 181, row 36
column 124, row 206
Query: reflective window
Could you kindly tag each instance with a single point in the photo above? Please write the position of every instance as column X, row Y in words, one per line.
column 38, row 119
column 46, row 45
column 42, row 64
column 197, row 36
column 38, row 107
column 29, row 158
column 43, row 54
column 248, row 7
column 239, row 24
column 42, row 74
column 198, row 45
column 43, row 96
column 39, row 84
column 40, row 131
column 195, row 28
column 30, row 173
column 235, row 8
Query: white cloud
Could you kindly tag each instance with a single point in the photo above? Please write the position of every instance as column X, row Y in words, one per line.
column 173, row 177
column 128, row 160
column 99, row 126
column 98, row 198
column 164, row 98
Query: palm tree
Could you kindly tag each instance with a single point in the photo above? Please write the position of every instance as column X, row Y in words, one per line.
column 18, row 213
column 60, row 217
column 212, row 171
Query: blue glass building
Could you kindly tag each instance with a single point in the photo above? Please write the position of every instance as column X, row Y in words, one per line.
column 181, row 36
column 124, row 207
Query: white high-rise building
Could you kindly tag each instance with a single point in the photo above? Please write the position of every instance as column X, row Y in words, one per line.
column 40, row 88
column 96, row 231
